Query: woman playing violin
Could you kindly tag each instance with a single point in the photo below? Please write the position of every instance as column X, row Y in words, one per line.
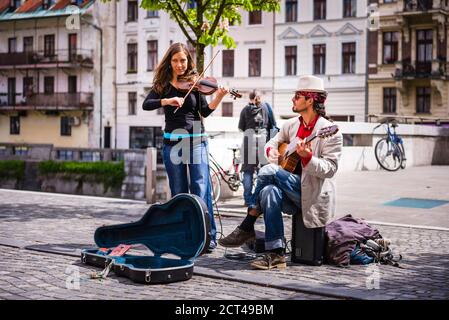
column 184, row 126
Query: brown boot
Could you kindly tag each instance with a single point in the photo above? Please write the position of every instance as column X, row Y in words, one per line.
column 269, row 260
column 237, row 238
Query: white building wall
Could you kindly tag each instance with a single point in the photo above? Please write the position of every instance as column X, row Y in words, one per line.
column 247, row 37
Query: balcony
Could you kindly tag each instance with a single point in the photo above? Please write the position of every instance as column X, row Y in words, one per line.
column 42, row 101
column 418, row 5
column 59, row 58
column 436, row 69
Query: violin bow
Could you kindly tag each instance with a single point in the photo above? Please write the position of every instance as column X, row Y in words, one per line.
column 197, row 79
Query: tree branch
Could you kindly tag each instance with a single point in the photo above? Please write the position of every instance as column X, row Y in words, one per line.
column 184, row 16
column 183, row 29
column 217, row 17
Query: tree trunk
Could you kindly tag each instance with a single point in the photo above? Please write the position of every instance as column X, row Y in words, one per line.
column 200, row 57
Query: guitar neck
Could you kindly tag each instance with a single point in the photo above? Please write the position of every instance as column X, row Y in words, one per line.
column 310, row 138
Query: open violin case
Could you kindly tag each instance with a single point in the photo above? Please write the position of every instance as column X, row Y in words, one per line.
column 179, row 227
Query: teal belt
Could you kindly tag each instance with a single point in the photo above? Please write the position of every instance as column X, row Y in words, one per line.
column 168, row 135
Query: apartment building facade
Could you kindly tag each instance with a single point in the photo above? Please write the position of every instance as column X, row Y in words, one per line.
column 55, row 57
column 326, row 38
column 250, row 65
column 142, row 38
column 408, row 68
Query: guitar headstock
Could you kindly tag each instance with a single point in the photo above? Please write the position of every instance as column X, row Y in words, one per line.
column 327, row 132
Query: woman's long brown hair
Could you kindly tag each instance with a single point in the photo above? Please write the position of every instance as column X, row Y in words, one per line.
column 163, row 73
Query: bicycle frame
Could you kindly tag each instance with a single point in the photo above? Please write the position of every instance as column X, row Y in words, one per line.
column 393, row 136
column 232, row 179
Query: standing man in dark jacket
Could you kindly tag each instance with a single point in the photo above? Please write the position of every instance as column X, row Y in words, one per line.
column 255, row 123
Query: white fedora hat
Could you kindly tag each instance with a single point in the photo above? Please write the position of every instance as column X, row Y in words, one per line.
column 311, row 84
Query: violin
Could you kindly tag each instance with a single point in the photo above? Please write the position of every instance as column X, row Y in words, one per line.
column 206, row 86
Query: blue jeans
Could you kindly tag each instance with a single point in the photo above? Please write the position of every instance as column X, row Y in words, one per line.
column 248, row 185
column 276, row 191
column 198, row 164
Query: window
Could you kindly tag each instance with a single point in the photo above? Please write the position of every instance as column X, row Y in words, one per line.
column 11, row 91
column 191, row 4
column 319, row 59
column 349, row 8
column 290, row 60
column 144, row 137
column 424, row 51
column 14, row 125
column 319, row 9
column 47, row 4
column 291, row 11
column 255, row 17
column 72, row 46
column 423, row 100
column 348, row 57
column 132, row 11
column 132, row 102
column 64, row 154
column 49, row 85
column 90, row 156
column 132, row 57
column 28, row 86
column 228, row 63
column 28, row 44
column 152, row 55
column 389, row 100
column 226, row 109
column 12, row 45
column 14, row 4
column 49, row 45
column 254, row 62
column 66, row 129
column 71, row 84
column 152, row 13
column 390, row 47
column 19, row 150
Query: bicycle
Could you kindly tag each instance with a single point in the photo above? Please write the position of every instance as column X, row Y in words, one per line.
column 389, row 151
column 233, row 177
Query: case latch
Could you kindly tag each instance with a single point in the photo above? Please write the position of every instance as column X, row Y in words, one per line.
column 148, row 276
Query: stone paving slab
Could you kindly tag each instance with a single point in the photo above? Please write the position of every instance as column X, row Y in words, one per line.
column 34, row 275
column 67, row 223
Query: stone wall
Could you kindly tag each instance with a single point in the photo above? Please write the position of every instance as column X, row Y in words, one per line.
column 133, row 186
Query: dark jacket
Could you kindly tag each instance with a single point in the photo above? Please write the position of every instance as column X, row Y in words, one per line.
column 254, row 122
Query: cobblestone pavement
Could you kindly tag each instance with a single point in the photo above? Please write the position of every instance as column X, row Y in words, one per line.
column 39, row 220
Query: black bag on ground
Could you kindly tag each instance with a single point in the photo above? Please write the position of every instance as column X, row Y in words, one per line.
column 307, row 244
column 179, row 227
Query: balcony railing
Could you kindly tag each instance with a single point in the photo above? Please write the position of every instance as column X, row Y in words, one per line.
column 418, row 5
column 417, row 69
column 49, row 101
column 79, row 57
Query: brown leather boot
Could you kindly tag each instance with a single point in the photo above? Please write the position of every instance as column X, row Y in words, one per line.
column 237, row 238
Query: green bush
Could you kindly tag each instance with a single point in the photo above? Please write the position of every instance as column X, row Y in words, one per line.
column 111, row 174
column 10, row 169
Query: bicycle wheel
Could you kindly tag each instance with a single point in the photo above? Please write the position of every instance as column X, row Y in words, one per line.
column 388, row 154
column 216, row 187
column 404, row 160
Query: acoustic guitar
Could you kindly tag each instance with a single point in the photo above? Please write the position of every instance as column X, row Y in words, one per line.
column 289, row 158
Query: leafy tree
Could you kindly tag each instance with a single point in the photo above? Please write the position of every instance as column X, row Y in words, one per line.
column 206, row 22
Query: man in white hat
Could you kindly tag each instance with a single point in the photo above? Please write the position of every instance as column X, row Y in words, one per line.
column 309, row 189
